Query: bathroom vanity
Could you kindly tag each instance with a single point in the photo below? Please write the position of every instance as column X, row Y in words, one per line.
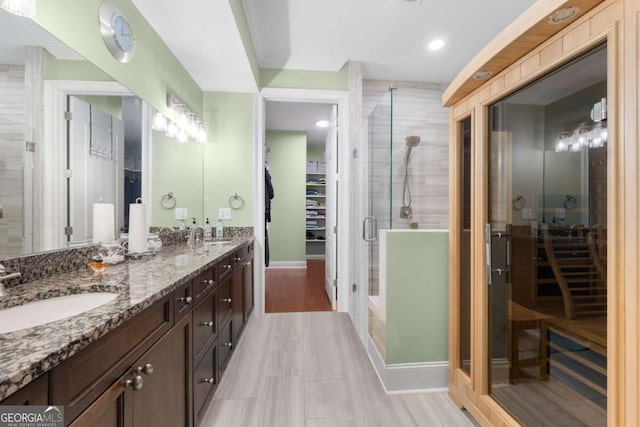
column 152, row 356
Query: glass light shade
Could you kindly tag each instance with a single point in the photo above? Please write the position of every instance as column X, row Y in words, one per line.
column 25, row 8
column 172, row 129
column 159, row 122
column 193, row 128
column 561, row 146
column 182, row 136
column 183, row 120
column 202, row 134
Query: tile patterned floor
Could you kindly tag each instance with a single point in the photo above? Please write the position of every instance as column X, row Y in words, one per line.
column 310, row 370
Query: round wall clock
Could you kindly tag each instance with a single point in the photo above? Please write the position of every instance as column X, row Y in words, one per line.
column 117, row 32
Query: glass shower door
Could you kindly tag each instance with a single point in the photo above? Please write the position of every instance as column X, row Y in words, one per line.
column 375, row 149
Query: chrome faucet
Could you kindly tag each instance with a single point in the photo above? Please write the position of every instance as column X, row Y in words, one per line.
column 193, row 236
column 3, row 276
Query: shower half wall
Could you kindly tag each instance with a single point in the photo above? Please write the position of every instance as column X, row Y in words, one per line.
column 390, row 116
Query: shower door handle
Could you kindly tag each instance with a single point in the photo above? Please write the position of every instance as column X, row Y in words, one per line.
column 365, row 222
column 489, row 265
column 1, row 211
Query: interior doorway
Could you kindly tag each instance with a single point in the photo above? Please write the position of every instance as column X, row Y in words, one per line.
column 300, row 147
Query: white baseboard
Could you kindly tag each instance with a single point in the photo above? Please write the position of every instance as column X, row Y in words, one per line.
column 316, row 257
column 409, row 377
column 287, row 264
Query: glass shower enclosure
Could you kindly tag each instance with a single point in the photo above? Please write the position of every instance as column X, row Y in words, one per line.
column 396, row 163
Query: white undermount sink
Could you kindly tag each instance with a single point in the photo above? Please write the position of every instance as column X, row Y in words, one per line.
column 51, row 309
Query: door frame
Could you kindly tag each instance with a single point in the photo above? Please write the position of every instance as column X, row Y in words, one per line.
column 53, row 183
column 341, row 98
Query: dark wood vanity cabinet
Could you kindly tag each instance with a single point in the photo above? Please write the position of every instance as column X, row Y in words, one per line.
column 162, row 366
column 154, row 391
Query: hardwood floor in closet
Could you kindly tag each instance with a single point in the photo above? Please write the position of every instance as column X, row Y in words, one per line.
column 296, row 289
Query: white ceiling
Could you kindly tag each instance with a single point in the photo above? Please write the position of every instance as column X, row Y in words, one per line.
column 203, row 36
column 298, row 116
column 17, row 32
column 388, row 36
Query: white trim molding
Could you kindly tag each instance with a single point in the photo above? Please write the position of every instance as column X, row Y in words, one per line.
column 409, row 377
column 54, row 159
column 287, row 264
column 341, row 98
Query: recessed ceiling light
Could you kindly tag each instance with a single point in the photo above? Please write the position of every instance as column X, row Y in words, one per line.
column 482, row 74
column 563, row 15
column 322, row 123
column 436, row 44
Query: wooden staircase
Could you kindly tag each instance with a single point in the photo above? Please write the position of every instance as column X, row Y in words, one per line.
column 580, row 274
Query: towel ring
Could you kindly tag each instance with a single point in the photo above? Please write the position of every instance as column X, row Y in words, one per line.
column 569, row 202
column 236, row 201
column 518, row 202
column 168, row 201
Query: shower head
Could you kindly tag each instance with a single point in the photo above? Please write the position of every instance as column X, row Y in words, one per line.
column 412, row 141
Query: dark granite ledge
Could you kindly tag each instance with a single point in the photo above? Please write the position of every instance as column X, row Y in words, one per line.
column 26, row 354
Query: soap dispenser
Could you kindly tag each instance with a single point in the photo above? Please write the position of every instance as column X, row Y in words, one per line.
column 208, row 233
column 219, row 230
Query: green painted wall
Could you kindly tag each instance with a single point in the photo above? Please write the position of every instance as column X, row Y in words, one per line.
column 171, row 175
column 287, row 165
column 109, row 104
column 417, row 296
column 300, row 79
column 315, row 152
column 228, row 155
column 153, row 71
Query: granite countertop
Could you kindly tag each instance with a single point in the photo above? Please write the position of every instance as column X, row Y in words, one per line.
column 26, row 354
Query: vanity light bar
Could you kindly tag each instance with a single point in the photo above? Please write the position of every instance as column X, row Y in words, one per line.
column 187, row 126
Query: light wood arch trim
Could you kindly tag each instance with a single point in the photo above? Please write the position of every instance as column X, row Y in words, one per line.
column 515, row 41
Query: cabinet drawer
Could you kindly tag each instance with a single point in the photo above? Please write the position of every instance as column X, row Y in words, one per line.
column 224, row 303
column 225, row 346
column 203, row 283
column 205, row 380
column 183, row 300
column 223, row 268
column 243, row 253
column 204, row 323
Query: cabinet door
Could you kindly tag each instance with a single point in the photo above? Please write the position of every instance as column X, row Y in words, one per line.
column 111, row 409
column 165, row 398
column 237, row 320
column 247, row 284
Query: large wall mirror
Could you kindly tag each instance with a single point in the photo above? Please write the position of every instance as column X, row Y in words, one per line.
column 53, row 170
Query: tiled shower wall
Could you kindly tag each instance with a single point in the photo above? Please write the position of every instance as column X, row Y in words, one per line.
column 417, row 110
column 12, row 122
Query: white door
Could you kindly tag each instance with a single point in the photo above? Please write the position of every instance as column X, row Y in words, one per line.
column 96, row 141
column 331, row 259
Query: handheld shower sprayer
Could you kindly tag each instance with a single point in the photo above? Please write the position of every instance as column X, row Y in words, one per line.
column 412, row 141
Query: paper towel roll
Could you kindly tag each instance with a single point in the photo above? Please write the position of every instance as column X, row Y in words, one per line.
column 138, row 228
column 103, row 223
